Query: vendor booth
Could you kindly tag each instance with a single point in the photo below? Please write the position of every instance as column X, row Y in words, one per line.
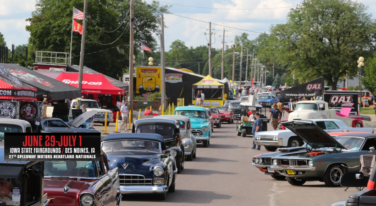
column 11, row 88
column 212, row 89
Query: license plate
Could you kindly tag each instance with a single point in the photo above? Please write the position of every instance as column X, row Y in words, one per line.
column 270, row 170
column 290, row 172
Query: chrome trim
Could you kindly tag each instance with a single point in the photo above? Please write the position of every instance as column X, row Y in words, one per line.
column 202, row 138
column 296, row 168
column 143, row 189
column 89, row 193
column 258, row 165
column 187, row 153
column 268, row 143
column 89, row 178
column 134, row 179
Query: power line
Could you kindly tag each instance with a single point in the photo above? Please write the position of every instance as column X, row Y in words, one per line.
column 122, row 22
column 111, row 42
column 199, row 7
column 103, row 49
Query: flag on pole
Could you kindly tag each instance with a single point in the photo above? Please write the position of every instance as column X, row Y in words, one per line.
column 253, row 81
column 145, row 48
column 77, row 14
column 77, row 27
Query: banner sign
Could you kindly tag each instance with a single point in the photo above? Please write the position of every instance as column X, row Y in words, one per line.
column 173, row 78
column 208, row 86
column 310, row 89
column 8, row 110
column 51, row 146
column 29, row 111
column 336, row 99
column 149, row 71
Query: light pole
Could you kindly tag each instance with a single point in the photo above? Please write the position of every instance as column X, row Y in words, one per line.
column 360, row 66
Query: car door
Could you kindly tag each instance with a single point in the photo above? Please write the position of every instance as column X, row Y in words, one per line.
column 113, row 185
column 332, row 127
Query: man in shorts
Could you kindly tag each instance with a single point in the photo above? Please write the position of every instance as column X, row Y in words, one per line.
column 124, row 116
column 275, row 116
column 198, row 98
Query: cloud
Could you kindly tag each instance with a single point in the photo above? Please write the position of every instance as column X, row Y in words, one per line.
column 16, row 6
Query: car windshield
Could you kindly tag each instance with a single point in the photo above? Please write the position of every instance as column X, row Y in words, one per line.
column 9, row 128
column 351, row 143
column 226, row 103
column 264, row 97
column 306, row 106
column 235, row 105
column 192, row 113
column 222, row 109
column 90, row 104
column 132, row 145
column 243, row 99
column 162, row 129
column 214, row 111
column 70, row 168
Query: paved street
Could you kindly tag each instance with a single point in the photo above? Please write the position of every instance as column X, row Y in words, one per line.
column 223, row 175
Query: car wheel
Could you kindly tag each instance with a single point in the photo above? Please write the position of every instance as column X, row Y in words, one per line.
column 162, row 196
column 232, row 121
column 229, row 122
column 270, row 149
column 219, row 125
column 239, row 133
column 295, row 182
column 333, row 176
column 278, row 177
column 194, row 155
column 358, row 125
column 244, row 132
column 212, row 130
column 171, row 188
column 190, row 157
column 206, row 143
column 295, row 142
column 179, row 167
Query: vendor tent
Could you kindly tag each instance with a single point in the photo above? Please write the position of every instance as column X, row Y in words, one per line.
column 91, row 83
column 54, row 89
column 11, row 88
column 230, row 84
column 117, row 83
column 212, row 89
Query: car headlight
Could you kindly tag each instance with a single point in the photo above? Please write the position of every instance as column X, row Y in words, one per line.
column 173, row 153
column 310, row 163
column 256, row 160
column 260, row 160
column 275, row 162
column 204, row 129
column 158, row 171
column 87, row 200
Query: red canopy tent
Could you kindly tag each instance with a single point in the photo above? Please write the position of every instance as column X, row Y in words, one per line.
column 11, row 88
column 91, row 83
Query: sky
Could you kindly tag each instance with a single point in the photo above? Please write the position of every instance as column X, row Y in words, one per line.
column 254, row 16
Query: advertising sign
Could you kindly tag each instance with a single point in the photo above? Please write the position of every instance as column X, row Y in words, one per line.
column 174, row 78
column 50, row 146
column 312, row 88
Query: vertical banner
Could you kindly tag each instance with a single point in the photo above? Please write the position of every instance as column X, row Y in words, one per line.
column 253, row 80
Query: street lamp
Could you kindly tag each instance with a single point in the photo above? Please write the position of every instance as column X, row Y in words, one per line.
column 360, row 66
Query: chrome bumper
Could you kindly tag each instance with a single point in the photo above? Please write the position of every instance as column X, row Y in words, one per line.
column 187, row 153
column 257, row 165
column 202, row 138
column 293, row 168
column 269, row 143
column 143, row 189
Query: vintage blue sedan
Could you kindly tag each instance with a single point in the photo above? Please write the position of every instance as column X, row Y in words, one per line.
column 266, row 100
column 200, row 123
column 145, row 166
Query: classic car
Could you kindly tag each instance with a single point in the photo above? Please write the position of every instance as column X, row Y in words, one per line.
column 263, row 161
column 145, row 166
column 216, row 116
column 267, row 100
column 188, row 139
column 326, row 158
column 272, row 140
column 278, row 97
column 13, row 126
column 169, row 129
column 84, row 183
column 56, row 125
column 21, row 182
column 234, row 106
column 92, row 104
column 200, row 122
column 226, row 115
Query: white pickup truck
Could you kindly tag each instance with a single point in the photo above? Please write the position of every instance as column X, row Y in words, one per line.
column 285, row 138
column 93, row 105
column 13, row 126
column 318, row 109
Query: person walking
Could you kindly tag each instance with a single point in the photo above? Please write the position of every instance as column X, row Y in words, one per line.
column 257, row 127
column 280, row 105
column 275, row 116
column 198, row 98
column 202, row 98
column 124, row 116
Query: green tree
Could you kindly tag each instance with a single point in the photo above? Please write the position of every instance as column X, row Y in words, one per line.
column 2, row 40
column 325, row 38
column 277, row 81
column 369, row 71
column 269, row 79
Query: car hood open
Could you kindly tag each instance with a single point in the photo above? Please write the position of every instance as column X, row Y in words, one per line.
column 82, row 118
column 312, row 134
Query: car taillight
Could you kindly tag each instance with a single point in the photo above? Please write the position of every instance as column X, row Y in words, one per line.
column 283, row 127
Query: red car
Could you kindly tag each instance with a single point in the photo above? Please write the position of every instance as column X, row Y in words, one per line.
column 226, row 115
column 216, row 116
column 84, row 183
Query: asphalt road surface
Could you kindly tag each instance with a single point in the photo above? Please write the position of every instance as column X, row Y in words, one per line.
column 222, row 174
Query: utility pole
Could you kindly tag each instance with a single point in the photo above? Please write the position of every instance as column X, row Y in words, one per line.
column 246, row 68
column 223, row 53
column 241, row 65
column 82, row 48
column 131, row 45
column 253, row 59
column 210, row 60
column 233, row 61
column 163, row 85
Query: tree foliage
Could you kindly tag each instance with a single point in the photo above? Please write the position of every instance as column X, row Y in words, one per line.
column 277, row 81
column 2, row 40
column 369, row 80
column 325, row 38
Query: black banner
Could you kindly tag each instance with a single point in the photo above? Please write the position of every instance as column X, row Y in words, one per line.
column 312, row 88
column 51, row 146
column 8, row 109
column 17, row 93
column 29, row 111
column 336, row 99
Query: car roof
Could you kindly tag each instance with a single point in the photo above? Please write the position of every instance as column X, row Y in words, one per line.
column 152, row 120
column 193, row 108
column 2, row 161
column 15, row 121
column 139, row 136
column 173, row 117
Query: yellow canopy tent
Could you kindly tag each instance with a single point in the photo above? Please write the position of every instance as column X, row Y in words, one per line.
column 233, row 82
column 212, row 90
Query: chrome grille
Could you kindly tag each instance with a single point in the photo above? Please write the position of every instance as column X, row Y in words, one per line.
column 266, row 137
column 293, row 163
column 196, row 131
column 126, row 180
column 267, row 161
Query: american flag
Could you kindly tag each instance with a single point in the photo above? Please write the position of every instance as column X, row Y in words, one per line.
column 77, row 14
column 145, row 48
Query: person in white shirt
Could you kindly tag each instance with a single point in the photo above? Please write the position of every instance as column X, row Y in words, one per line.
column 244, row 92
column 252, row 116
column 202, row 98
column 124, row 116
